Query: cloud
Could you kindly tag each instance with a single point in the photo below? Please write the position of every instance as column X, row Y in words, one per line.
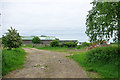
column 47, row 1
column 63, row 18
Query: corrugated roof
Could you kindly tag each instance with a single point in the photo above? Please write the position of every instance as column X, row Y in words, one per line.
column 41, row 38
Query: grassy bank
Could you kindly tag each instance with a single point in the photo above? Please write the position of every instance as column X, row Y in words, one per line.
column 107, row 67
column 12, row 59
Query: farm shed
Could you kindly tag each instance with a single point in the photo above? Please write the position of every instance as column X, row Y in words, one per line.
column 44, row 40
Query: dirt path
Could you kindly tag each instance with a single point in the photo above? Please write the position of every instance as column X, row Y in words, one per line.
column 48, row 64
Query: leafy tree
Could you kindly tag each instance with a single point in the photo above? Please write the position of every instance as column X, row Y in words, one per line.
column 56, row 38
column 36, row 40
column 43, row 36
column 103, row 21
column 54, row 43
column 12, row 39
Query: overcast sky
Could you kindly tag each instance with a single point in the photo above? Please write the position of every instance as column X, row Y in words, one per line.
column 64, row 19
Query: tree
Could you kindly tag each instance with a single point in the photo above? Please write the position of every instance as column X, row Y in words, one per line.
column 43, row 36
column 12, row 39
column 36, row 40
column 54, row 43
column 103, row 21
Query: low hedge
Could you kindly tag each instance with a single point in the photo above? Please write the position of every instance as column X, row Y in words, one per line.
column 69, row 44
column 54, row 43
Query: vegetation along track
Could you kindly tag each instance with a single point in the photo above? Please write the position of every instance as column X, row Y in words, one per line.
column 48, row 64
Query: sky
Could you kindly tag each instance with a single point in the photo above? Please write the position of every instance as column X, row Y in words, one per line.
column 64, row 19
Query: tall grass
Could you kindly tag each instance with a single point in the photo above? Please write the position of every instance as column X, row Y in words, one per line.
column 12, row 59
column 103, row 60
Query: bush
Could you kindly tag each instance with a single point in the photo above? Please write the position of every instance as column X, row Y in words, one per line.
column 54, row 43
column 79, row 46
column 86, row 44
column 103, row 54
column 113, row 43
column 69, row 44
column 36, row 40
column 12, row 39
column 103, row 60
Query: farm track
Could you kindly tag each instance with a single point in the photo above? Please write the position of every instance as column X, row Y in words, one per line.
column 48, row 64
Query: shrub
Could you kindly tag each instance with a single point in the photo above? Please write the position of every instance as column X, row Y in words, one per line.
column 86, row 44
column 36, row 40
column 69, row 44
column 54, row 43
column 103, row 54
column 12, row 39
column 113, row 43
column 103, row 60
column 79, row 46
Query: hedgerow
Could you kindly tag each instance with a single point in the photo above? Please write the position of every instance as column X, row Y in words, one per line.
column 69, row 44
column 103, row 54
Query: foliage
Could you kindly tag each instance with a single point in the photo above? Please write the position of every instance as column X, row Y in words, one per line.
column 113, row 43
column 103, row 54
column 103, row 21
column 69, row 44
column 78, row 46
column 12, row 39
column 103, row 60
column 36, row 40
column 43, row 36
column 56, row 38
column 86, row 44
column 12, row 59
column 54, row 43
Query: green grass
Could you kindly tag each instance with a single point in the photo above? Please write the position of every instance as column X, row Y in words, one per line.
column 104, row 70
column 12, row 59
column 108, row 70
column 58, row 49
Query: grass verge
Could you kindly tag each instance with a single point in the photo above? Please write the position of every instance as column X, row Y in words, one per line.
column 12, row 59
column 108, row 70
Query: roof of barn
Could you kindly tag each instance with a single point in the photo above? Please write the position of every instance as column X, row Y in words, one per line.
column 41, row 38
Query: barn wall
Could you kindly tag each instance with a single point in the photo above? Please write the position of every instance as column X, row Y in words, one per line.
column 27, row 41
column 47, row 42
column 63, row 41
